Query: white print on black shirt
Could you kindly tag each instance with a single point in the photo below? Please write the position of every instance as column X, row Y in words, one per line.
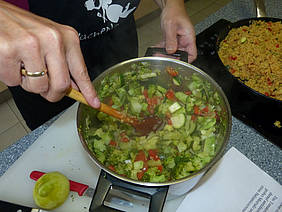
column 84, row 36
column 108, row 11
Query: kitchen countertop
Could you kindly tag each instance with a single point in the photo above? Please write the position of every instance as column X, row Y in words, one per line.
column 259, row 150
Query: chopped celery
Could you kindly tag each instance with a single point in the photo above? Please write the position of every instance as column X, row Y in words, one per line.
column 181, row 96
column 174, row 107
column 138, row 165
column 135, row 106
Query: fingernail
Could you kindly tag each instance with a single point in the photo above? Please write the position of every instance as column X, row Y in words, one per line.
column 96, row 102
column 169, row 49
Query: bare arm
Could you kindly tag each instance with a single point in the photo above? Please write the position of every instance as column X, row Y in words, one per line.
column 178, row 31
column 41, row 44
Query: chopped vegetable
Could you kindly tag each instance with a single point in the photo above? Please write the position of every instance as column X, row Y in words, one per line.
column 243, row 39
column 174, row 107
column 178, row 120
column 185, row 144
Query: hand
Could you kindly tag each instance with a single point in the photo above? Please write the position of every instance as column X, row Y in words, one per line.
column 41, row 44
column 178, row 31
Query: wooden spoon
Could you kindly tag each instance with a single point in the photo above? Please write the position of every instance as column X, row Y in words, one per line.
column 142, row 127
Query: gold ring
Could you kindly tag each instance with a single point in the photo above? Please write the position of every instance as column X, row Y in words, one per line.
column 33, row 74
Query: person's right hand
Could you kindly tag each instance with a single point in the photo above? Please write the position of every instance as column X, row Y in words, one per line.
column 41, row 44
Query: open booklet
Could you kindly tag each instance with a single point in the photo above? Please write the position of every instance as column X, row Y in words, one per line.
column 235, row 184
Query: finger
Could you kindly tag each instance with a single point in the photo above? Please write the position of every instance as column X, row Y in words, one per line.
column 58, row 73
column 33, row 61
column 80, row 75
column 192, row 50
column 35, row 84
column 10, row 72
column 187, row 43
column 170, row 37
column 9, row 63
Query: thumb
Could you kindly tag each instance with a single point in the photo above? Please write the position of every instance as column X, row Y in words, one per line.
column 170, row 39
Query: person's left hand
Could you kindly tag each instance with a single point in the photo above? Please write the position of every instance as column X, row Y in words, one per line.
column 178, row 31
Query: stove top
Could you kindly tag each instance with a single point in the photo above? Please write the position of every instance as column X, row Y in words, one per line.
column 251, row 108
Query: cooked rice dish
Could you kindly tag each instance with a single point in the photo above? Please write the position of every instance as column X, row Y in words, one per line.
column 253, row 54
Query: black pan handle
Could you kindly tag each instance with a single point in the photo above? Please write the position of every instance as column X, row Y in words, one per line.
column 11, row 207
column 179, row 54
column 157, row 195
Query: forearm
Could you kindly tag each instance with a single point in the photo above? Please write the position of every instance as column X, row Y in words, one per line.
column 168, row 3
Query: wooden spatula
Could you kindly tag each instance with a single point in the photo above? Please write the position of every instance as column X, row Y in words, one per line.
column 142, row 127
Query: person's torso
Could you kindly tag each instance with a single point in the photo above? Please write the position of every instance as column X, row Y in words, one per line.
column 90, row 18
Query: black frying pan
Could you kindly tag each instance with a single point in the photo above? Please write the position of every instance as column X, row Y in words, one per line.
column 245, row 22
column 261, row 109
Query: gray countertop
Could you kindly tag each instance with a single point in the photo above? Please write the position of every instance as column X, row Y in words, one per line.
column 259, row 150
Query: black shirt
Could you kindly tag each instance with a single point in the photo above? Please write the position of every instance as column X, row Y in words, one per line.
column 90, row 18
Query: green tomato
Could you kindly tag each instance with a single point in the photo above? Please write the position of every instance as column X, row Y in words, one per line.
column 51, row 190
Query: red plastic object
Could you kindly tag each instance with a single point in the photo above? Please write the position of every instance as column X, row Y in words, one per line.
column 74, row 186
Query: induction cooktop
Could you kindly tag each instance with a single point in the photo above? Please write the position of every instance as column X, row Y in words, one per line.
column 250, row 107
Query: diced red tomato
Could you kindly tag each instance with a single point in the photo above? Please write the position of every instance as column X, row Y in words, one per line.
column 140, row 175
column 160, row 167
column 266, row 93
column 169, row 122
column 277, row 45
column 149, row 101
column 188, row 93
column 269, row 29
column 170, row 95
column 145, row 93
column 232, row 57
column 112, row 168
column 125, row 139
column 171, row 71
column 205, row 109
column 144, row 169
column 269, row 24
column 197, row 110
column 151, row 108
column 153, row 154
column 113, row 143
column 244, row 30
column 155, row 100
column 269, row 82
column 232, row 70
column 193, row 117
column 141, row 156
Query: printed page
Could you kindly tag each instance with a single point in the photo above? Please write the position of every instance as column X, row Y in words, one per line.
column 235, row 184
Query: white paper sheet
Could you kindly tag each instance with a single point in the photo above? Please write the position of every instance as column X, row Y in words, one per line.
column 235, row 184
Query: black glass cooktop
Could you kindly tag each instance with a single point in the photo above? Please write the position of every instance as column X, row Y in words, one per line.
column 251, row 108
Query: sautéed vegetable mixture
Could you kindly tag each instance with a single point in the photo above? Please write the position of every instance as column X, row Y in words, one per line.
column 193, row 124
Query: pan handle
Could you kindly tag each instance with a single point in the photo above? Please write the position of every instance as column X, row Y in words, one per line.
column 179, row 54
column 260, row 8
column 106, row 182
